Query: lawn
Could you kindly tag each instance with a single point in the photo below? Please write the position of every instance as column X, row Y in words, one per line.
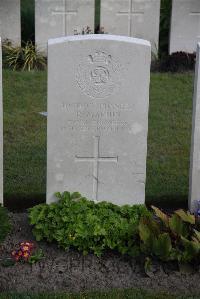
column 170, row 119
column 168, row 140
column 24, row 135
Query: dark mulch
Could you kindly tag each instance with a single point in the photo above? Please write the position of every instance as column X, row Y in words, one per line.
column 71, row 271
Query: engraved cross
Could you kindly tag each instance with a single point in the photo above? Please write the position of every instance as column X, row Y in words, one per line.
column 96, row 159
column 66, row 14
column 130, row 13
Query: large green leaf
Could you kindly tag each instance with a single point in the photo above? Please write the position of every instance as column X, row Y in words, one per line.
column 147, row 227
column 144, row 231
column 161, row 215
column 177, row 226
column 186, row 216
column 163, row 246
column 192, row 249
column 197, row 233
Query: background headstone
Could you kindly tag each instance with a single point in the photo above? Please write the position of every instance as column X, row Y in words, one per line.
column 135, row 18
column 1, row 129
column 61, row 18
column 194, row 194
column 10, row 21
column 98, row 96
column 185, row 26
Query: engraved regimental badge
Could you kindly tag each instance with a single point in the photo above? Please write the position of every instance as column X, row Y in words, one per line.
column 99, row 75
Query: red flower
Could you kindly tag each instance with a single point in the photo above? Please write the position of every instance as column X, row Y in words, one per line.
column 26, row 255
column 28, row 244
column 25, row 248
column 24, row 251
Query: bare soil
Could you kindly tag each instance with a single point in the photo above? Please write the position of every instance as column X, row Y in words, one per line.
column 72, row 272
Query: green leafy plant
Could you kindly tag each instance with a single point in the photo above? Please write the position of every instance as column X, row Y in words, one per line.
column 76, row 222
column 5, row 226
column 87, row 30
column 170, row 238
column 24, row 58
column 36, row 257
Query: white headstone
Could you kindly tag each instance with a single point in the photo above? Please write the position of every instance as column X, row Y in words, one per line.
column 1, row 130
column 10, row 21
column 98, row 96
column 194, row 194
column 61, row 18
column 135, row 18
column 185, row 26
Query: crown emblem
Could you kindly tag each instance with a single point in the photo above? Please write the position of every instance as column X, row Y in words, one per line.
column 100, row 57
column 98, row 75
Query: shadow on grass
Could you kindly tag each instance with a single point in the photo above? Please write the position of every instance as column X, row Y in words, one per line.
column 20, row 202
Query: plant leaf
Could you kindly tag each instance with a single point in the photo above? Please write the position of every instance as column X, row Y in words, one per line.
column 144, row 231
column 197, row 233
column 178, row 226
column 186, row 216
column 163, row 246
column 161, row 215
column 192, row 249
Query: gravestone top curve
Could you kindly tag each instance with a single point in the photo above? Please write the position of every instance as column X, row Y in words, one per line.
column 105, row 37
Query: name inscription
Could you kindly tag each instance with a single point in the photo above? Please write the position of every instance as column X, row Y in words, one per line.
column 97, row 117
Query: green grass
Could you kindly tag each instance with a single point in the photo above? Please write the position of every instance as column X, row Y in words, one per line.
column 168, row 141
column 169, row 138
column 115, row 294
column 24, row 135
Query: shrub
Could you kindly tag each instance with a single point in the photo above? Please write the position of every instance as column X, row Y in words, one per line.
column 76, row 222
column 178, row 62
column 87, row 30
column 171, row 238
column 4, row 224
column 23, row 58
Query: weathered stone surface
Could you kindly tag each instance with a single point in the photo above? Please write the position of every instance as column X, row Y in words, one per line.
column 185, row 26
column 98, row 95
column 194, row 194
column 1, row 129
column 10, row 21
column 135, row 18
column 61, row 18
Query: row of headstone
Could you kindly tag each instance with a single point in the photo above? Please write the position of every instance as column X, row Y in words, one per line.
column 134, row 18
column 98, row 97
column 128, row 18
